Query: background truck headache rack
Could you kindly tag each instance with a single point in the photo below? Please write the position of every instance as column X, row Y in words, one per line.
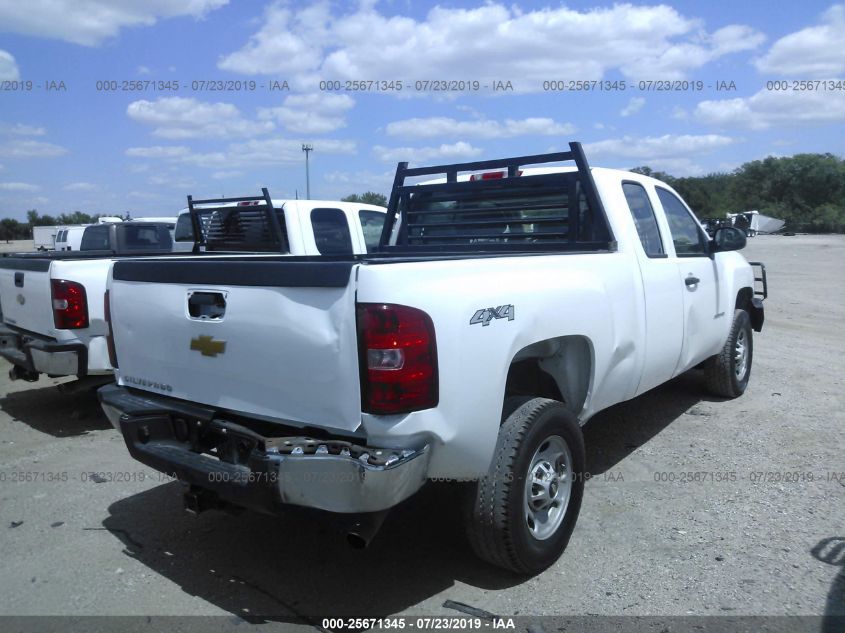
column 244, row 223
column 507, row 210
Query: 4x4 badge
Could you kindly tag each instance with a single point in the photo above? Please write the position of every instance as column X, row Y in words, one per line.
column 488, row 314
column 207, row 346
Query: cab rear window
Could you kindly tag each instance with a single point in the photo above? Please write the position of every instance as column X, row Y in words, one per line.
column 145, row 237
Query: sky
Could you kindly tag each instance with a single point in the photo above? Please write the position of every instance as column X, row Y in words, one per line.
column 116, row 106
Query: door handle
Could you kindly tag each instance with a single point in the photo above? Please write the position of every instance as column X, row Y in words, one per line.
column 19, row 280
column 691, row 281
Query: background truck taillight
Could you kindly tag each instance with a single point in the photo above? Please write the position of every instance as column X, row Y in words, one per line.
column 110, row 335
column 398, row 355
column 70, row 305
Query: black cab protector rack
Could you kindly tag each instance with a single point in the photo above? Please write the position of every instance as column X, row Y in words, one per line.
column 260, row 209
column 564, row 188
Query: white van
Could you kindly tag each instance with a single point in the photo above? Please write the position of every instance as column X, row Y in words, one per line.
column 69, row 238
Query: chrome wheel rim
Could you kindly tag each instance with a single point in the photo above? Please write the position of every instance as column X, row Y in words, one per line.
column 548, row 487
column 741, row 355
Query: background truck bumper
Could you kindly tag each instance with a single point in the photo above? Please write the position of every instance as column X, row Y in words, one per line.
column 42, row 356
column 246, row 468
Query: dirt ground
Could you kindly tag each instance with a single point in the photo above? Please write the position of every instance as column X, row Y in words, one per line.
column 653, row 537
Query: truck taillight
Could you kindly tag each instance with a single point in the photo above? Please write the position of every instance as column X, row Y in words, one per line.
column 110, row 335
column 70, row 305
column 398, row 355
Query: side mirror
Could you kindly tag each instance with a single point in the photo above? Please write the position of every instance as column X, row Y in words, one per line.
column 728, row 238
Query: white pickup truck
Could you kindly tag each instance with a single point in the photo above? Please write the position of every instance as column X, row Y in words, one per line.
column 52, row 305
column 502, row 310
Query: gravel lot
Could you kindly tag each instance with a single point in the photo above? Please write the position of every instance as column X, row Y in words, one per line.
column 768, row 540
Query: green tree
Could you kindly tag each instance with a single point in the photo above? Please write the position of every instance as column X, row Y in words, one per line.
column 370, row 197
column 39, row 220
column 77, row 217
column 10, row 229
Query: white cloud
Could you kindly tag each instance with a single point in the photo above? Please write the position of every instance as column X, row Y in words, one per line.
column 31, row 149
column 143, row 70
column 315, row 113
column 635, row 104
column 18, row 186
column 461, row 149
column 275, row 151
column 489, row 42
column 181, row 117
column 653, row 148
column 439, row 127
column 679, row 114
column 158, row 151
column 792, row 108
column 8, row 67
column 337, row 184
column 19, row 129
column 80, row 186
column 222, row 175
column 145, row 195
column 813, row 52
column 90, row 22
column 172, row 182
column 242, row 154
column 287, row 43
column 679, row 167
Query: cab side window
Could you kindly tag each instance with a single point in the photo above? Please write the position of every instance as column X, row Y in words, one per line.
column 686, row 234
column 371, row 224
column 644, row 219
column 331, row 232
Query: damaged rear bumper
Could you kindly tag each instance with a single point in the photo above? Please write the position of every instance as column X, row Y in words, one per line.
column 244, row 467
column 40, row 355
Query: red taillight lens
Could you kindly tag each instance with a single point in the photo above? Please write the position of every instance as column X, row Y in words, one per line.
column 398, row 358
column 70, row 305
column 110, row 335
column 492, row 175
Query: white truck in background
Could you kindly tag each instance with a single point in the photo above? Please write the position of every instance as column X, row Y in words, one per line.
column 308, row 227
column 52, row 304
column 44, row 237
column 501, row 311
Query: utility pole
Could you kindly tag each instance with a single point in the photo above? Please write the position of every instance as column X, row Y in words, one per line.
column 307, row 148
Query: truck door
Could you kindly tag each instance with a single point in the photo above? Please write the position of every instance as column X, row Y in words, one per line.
column 661, row 293
column 704, row 309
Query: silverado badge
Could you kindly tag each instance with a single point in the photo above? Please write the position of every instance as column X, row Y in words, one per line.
column 207, row 346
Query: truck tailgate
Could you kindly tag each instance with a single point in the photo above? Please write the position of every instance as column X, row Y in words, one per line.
column 25, row 294
column 265, row 338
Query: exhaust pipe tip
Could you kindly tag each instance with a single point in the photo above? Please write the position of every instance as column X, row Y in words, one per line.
column 364, row 529
column 357, row 541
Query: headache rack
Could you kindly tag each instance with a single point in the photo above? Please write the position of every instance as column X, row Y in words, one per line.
column 245, row 223
column 497, row 211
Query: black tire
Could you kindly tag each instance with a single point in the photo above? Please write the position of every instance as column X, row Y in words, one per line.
column 496, row 517
column 723, row 372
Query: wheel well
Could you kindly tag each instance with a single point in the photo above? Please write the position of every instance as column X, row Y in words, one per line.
column 743, row 299
column 558, row 368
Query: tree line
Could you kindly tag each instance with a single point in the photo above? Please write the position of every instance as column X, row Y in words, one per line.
column 11, row 229
column 805, row 190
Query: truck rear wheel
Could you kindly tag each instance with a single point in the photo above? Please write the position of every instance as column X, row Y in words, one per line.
column 727, row 372
column 521, row 514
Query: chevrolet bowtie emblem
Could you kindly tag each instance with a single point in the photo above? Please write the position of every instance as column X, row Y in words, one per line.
column 207, row 346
